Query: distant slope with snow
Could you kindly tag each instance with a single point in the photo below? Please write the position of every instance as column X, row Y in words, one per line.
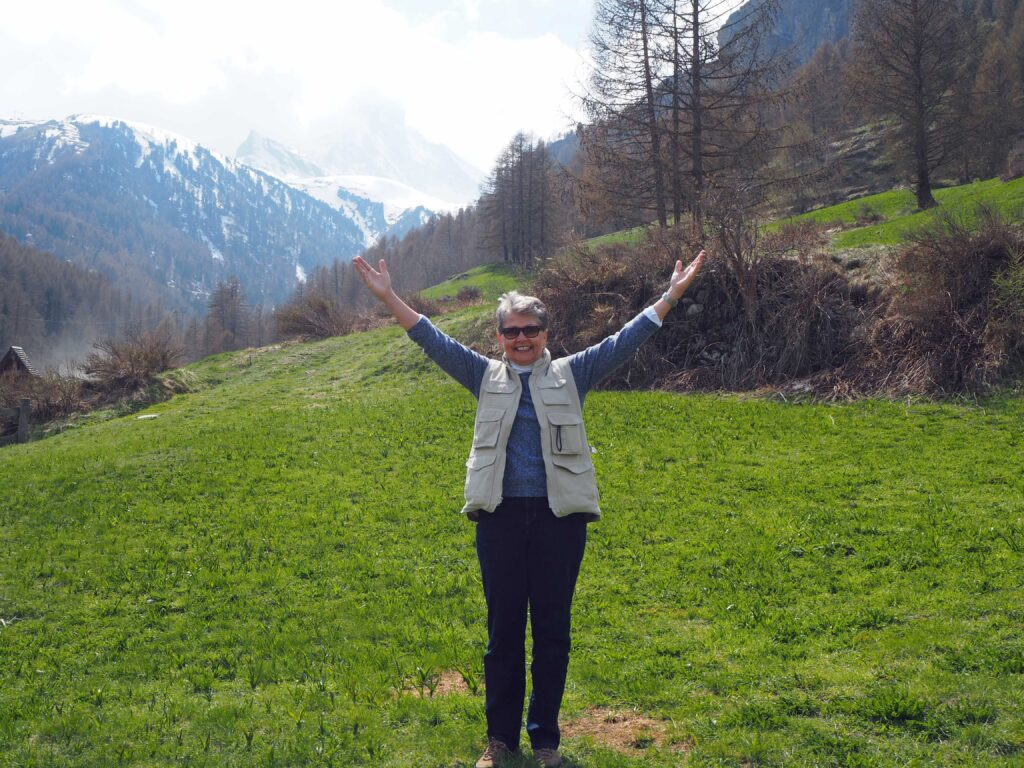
column 161, row 214
column 275, row 158
column 377, row 204
column 373, row 139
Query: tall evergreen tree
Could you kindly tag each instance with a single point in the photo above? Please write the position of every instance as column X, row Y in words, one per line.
column 621, row 96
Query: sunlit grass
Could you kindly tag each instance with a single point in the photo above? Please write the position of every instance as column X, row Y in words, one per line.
column 896, row 213
column 491, row 280
column 267, row 572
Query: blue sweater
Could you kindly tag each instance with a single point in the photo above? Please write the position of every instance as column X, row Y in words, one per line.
column 524, row 467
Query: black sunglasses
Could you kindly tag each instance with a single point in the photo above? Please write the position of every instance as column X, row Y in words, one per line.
column 529, row 331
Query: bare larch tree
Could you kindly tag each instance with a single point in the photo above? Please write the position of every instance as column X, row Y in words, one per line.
column 909, row 54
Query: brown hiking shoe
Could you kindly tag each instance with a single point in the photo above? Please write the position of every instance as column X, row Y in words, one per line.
column 547, row 757
column 495, row 754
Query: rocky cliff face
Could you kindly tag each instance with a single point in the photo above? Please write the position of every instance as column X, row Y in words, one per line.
column 800, row 27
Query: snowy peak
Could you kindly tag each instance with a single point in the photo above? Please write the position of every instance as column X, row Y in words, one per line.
column 373, row 169
column 275, row 158
column 372, row 153
column 150, row 138
column 375, row 141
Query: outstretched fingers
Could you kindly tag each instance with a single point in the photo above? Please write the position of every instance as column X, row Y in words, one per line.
column 683, row 277
column 694, row 265
column 366, row 272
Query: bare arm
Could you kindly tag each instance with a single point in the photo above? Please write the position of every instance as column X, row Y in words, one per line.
column 379, row 284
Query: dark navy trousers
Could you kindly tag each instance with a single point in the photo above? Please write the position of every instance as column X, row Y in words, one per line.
column 529, row 560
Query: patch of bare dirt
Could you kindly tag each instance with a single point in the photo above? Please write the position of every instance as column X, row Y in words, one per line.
column 443, row 683
column 622, row 730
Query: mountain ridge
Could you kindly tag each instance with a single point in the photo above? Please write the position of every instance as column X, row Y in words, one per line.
column 344, row 189
column 160, row 211
column 800, row 28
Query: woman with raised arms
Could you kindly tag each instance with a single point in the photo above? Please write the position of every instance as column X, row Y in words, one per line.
column 531, row 490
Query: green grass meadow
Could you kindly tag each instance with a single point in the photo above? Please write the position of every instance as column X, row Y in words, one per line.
column 899, row 214
column 272, row 572
column 491, row 280
column 896, row 210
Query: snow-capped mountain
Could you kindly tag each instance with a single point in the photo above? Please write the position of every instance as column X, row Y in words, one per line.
column 162, row 214
column 373, row 139
column 276, row 159
column 377, row 203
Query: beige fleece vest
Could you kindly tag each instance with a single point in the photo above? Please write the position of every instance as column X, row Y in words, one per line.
column 571, row 483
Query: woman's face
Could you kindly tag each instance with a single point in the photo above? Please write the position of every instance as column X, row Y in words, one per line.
column 522, row 350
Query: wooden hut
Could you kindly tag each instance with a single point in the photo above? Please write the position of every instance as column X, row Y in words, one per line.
column 16, row 363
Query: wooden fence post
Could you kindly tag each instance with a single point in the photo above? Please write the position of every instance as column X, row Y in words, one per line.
column 23, row 414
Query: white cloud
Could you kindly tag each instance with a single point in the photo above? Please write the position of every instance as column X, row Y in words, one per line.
column 188, row 65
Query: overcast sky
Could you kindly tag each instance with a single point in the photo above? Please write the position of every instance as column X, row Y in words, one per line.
column 467, row 73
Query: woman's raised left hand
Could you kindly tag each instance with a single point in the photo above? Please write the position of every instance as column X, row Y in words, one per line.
column 681, row 278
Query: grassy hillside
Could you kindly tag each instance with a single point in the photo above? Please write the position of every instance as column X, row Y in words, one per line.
column 895, row 213
column 272, row 572
column 491, row 280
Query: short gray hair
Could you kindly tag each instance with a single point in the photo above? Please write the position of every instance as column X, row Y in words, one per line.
column 513, row 301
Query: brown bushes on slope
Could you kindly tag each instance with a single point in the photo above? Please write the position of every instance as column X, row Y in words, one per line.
column 315, row 315
column 806, row 313
column 954, row 320
column 947, row 317
column 52, row 395
column 118, row 367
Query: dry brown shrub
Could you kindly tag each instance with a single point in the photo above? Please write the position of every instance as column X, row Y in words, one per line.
column 954, row 322
column 314, row 315
column 805, row 314
column 118, row 367
column 52, row 395
column 422, row 305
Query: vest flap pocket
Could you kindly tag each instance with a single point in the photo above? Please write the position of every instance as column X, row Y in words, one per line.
column 487, row 428
column 489, row 414
column 555, row 395
column 499, row 386
column 577, row 464
column 549, row 382
column 564, row 419
column 566, row 433
column 479, row 461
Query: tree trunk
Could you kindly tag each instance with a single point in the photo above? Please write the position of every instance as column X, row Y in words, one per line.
column 677, row 73
column 652, row 121
column 697, row 139
column 923, row 187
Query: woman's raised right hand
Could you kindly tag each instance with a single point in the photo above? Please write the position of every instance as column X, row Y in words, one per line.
column 379, row 283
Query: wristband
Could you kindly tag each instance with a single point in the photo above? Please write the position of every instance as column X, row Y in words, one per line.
column 668, row 299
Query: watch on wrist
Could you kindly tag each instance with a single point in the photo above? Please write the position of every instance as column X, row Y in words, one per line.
column 668, row 299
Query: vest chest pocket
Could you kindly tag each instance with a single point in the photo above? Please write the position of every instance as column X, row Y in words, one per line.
column 487, row 428
column 554, row 392
column 565, row 431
